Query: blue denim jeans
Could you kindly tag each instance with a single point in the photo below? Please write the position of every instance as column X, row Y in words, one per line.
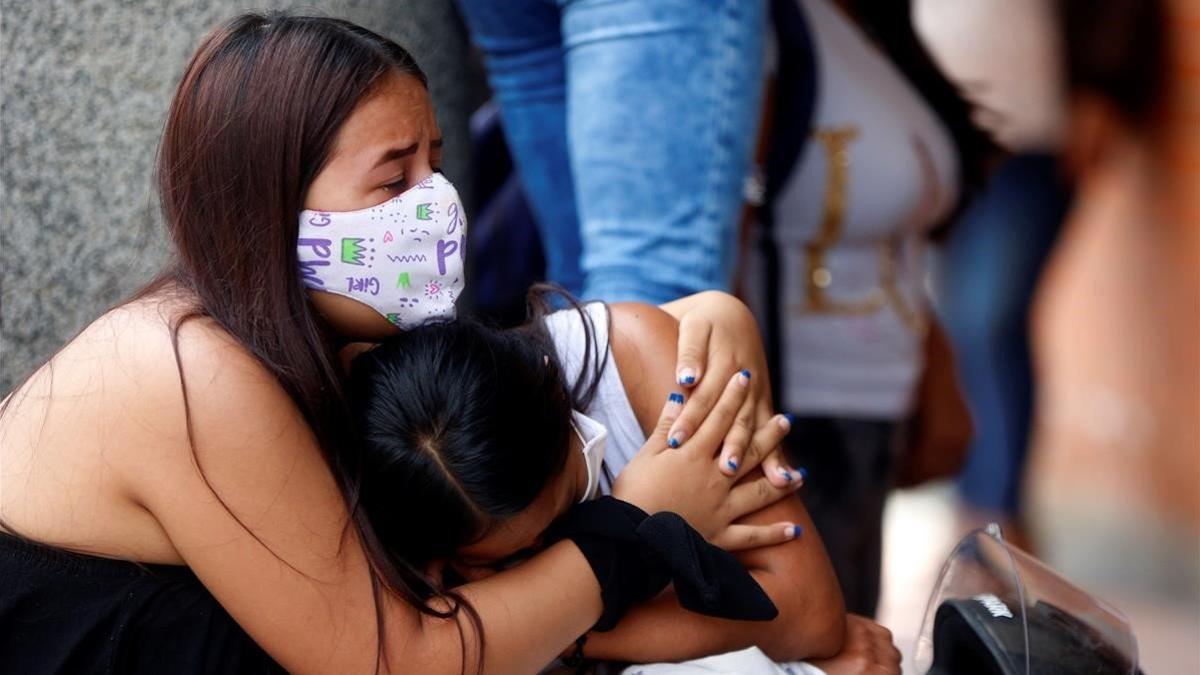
column 631, row 123
column 986, row 280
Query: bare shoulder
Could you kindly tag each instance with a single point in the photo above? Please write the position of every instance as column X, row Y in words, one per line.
column 104, row 423
column 233, row 432
column 132, row 365
column 644, row 340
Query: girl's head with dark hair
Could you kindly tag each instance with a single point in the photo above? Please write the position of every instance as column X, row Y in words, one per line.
column 467, row 441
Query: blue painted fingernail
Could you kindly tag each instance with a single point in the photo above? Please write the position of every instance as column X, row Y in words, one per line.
column 673, row 442
column 746, row 374
column 803, row 473
column 790, row 418
column 797, row 531
column 731, row 463
column 687, row 376
column 675, row 397
column 787, row 475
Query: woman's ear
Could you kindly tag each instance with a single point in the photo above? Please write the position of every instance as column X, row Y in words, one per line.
column 1093, row 128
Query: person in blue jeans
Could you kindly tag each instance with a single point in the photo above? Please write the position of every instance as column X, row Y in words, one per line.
column 631, row 123
column 986, row 283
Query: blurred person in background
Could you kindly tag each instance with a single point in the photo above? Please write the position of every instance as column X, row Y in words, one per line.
column 986, row 281
column 1115, row 459
column 995, row 254
column 631, row 125
column 986, row 273
column 1113, row 52
column 869, row 149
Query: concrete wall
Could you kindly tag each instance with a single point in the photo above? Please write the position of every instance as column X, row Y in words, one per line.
column 84, row 87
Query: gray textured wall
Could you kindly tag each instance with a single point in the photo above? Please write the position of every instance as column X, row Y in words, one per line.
column 84, row 87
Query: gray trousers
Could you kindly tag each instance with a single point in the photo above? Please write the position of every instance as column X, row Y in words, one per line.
column 849, row 463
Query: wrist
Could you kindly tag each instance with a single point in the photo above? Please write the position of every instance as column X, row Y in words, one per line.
column 634, row 556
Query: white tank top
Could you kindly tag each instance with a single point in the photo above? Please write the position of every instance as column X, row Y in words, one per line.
column 878, row 171
column 610, row 406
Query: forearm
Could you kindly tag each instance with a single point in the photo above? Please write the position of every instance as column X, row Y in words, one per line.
column 661, row 630
column 530, row 614
column 796, row 576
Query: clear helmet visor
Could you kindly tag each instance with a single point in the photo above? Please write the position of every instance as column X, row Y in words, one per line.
column 996, row 609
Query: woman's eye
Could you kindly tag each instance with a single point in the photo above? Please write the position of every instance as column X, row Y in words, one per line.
column 397, row 186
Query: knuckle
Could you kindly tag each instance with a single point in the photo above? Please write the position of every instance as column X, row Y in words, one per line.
column 757, row 447
column 754, row 449
column 762, row 489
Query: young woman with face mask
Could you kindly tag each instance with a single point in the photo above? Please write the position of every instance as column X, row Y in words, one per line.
column 497, row 433
column 173, row 496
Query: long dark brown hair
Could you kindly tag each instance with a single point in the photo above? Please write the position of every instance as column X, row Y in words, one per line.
column 252, row 123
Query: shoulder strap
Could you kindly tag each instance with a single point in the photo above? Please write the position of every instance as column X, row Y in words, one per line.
column 792, row 112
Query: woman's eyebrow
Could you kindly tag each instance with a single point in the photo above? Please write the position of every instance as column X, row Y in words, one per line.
column 394, row 154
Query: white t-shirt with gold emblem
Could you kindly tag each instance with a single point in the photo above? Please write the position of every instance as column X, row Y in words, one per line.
column 879, row 170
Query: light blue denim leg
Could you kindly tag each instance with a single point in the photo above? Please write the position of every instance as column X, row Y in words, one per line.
column 663, row 99
column 522, row 45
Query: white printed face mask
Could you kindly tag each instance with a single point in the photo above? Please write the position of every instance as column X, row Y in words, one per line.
column 594, row 437
column 403, row 258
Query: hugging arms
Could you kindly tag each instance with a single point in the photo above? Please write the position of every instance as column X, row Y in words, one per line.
column 457, row 416
column 188, row 448
column 795, row 572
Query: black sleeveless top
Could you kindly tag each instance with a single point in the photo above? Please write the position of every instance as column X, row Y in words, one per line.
column 63, row 612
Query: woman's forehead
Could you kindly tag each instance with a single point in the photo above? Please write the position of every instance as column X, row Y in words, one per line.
column 397, row 114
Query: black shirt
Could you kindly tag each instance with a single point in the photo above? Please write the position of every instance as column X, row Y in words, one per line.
column 62, row 612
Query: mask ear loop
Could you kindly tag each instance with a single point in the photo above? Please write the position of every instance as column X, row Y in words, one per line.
column 583, row 450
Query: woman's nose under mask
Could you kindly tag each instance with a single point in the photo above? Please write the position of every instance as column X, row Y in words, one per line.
column 403, row 258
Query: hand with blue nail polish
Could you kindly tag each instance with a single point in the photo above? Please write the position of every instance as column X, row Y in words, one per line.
column 719, row 336
column 668, row 475
column 729, row 431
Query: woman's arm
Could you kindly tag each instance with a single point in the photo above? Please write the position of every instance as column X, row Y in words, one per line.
column 277, row 552
column 255, row 512
column 796, row 575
